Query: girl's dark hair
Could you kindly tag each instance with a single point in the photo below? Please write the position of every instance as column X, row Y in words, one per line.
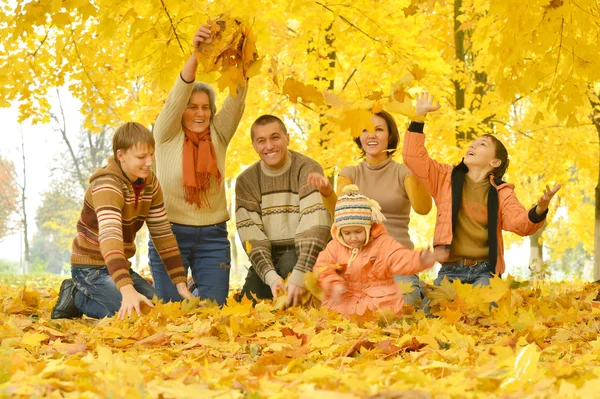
column 394, row 135
column 501, row 154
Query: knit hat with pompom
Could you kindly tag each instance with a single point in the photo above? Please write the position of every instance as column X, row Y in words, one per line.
column 355, row 209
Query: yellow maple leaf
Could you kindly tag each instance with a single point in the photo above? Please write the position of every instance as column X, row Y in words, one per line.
column 33, row 339
column 357, row 120
column 309, row 93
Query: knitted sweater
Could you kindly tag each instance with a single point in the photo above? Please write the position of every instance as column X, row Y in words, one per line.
column 111, row 216
column 384, row 182
column 169, row 137
column 278, row 209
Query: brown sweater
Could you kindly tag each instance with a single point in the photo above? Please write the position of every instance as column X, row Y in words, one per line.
column 111, row 216
column 471, row 231
column 278, row 209
column 384, row 182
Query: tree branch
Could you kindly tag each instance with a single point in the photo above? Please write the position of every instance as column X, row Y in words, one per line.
column 348, row 22
column 172, row 26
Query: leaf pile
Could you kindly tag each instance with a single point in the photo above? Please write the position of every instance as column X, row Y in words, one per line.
column 537, row 341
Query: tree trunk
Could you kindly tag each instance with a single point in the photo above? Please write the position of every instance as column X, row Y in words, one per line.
column 595, row 117
column 24, row 214
column 459, row 49
column 536, row 257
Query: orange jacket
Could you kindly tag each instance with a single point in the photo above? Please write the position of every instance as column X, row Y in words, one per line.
column 368, row 279
column 445, row 182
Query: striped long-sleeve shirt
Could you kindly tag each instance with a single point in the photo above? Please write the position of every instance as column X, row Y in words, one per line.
column 278, row 209
column 111, row 216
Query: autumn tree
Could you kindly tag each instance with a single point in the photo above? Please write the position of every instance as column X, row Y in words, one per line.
column 327, row 65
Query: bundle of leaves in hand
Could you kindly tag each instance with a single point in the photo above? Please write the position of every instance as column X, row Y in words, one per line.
column 232, row 52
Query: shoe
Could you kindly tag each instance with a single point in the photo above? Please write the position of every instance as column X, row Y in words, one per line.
column 65, row 306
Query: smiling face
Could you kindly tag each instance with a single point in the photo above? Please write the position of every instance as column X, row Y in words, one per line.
column 481, row 154
column 375, row 144
column 196, row 116
column 270, row 142
column 136, row 161
column 354, row 236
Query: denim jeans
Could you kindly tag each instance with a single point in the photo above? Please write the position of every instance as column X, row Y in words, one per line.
column 417, row 292
column 479, row 274
column 284, row 260
column 206, row 251
column 97, row 295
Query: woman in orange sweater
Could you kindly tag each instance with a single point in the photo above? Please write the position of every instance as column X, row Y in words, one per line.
column 357, row 268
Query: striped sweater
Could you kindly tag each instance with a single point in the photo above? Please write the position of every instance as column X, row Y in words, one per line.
column 169, row 138
column 111, row 216
column 278, row 209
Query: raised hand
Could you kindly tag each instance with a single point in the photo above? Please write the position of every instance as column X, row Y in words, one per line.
column 544, row 200
column 425, row 104
column 320, row 182
column 202, row 35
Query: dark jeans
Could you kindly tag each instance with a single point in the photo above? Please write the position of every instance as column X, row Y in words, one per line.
column 206, row 251
column 97, row 295
column 417, row 292
column 479, row 274
column 254, row 287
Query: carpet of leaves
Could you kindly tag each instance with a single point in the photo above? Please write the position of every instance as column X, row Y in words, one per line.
column 542, row 340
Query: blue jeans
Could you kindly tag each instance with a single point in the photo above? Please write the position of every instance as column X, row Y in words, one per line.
column 417, row 292
column 479, row 274
column 205, row 250
column 97, row 295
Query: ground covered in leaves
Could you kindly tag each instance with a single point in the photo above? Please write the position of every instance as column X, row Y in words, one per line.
column 542, row 340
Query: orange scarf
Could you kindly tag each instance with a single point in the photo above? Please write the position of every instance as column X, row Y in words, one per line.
column 199, row 163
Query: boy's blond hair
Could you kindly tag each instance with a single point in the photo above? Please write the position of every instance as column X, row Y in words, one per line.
column 130, row 134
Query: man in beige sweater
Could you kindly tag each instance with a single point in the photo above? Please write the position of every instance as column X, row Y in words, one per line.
column 191, row 143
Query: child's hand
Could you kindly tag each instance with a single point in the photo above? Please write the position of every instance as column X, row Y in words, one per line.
column 320, row 182
column 337, row 291
column 425, row 104
column 132, row 301
column 545, row 199
column 427, row 258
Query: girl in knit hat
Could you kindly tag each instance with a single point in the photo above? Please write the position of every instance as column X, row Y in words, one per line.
column 357, row 268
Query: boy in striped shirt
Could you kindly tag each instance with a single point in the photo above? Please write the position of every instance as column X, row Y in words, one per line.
column 120, row 198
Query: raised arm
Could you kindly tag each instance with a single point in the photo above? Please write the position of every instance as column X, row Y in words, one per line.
column 521, row 221
column 228, row 118
column 168, row 123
